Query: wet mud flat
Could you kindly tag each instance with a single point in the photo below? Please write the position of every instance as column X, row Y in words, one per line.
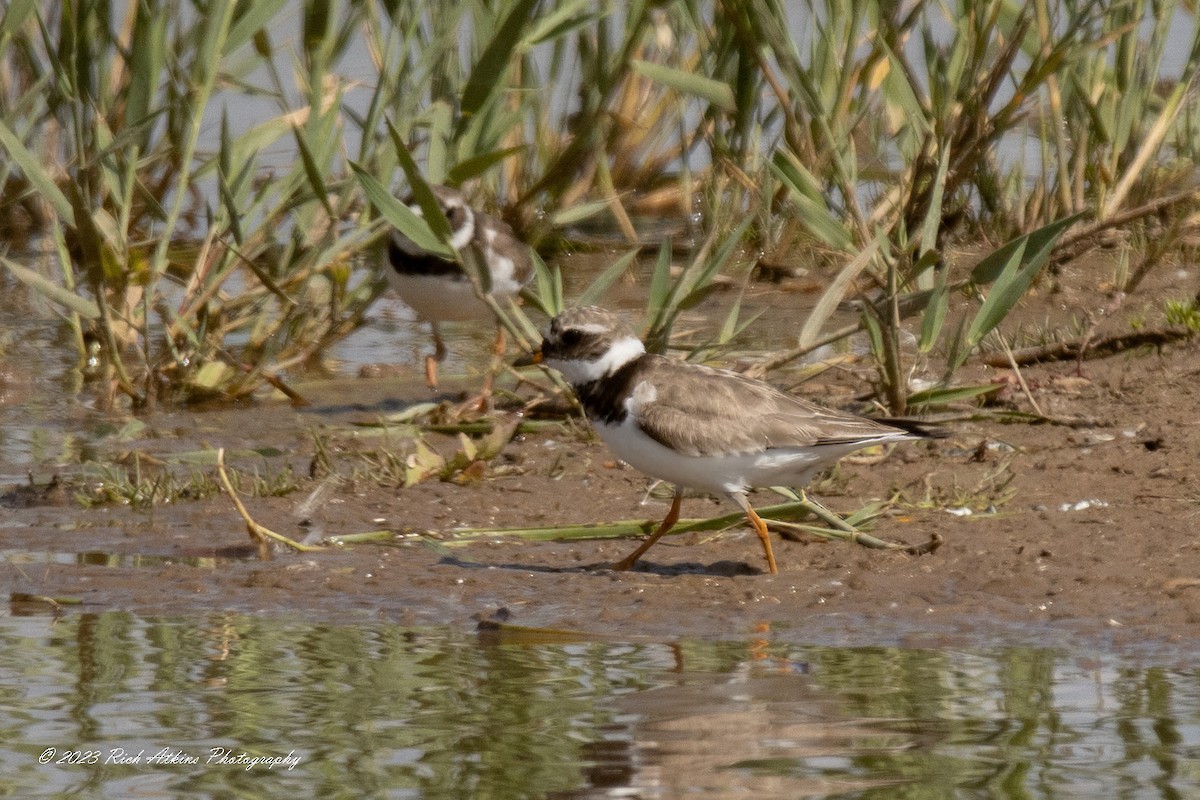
column 1088, row 530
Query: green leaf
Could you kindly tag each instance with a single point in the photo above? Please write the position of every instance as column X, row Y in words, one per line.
column 440, row 117
column 596, row 289
column 714, row 92
column 562, row 20
column 52, row 291
column 942, row 396
column 935, row 317
column 492, row 67
column 252, row 18
column 316, row 177
column 398, row 215
column 14, row 17
column 1011, row 277
column 472, row 167
column 898, row 92
column 548, row 288
column 430, row 208
column 36, row 174
column 957, row 353
column 701, row 286
column 224, row 187
column 578, row 212
column 408, row 415
column 933, row 221
column 835, row 294
column 660, row 284
column 874, row 334
column 806, row 194
column 257, row 139
column 212, row 376
column 147, row 57
column 1036, row 242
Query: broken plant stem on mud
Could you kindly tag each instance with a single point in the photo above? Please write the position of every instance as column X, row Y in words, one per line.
column 780, row 516
column 260, row 534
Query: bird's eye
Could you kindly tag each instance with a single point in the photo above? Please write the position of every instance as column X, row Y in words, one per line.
column 572, row 337
column 457, row 216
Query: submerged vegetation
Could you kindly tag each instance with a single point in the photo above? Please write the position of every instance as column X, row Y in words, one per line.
column 203, row 186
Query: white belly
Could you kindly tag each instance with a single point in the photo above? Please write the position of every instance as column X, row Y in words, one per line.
column 436, row 298
column 781, row 466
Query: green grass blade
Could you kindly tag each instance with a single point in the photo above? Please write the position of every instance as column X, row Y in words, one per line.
column 14, row 18
column 806, row 194
column 434, row 217
column 316, row 177
column 492, row 67
column 935, row 316
column 569, row 216
column 700, row 287
column 147, row 59
column 253, row 17
column 440, row 117
column 52, row 291
column 399, row 215
column 224, row 186
column 36, row 174
column 899, row 92
column 927, row 399
column 475, row 166
column 596, row 289
column 547, row 293
column 939, row 303
column 660, row 286
column 626, row 528
column 564, row 19
column 1026, row 256
column 713, row 91
column 212, row 32
column 835, row 294
column 1035, row 243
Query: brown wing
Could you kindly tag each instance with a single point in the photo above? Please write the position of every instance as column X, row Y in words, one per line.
column 702, row 411
column 507, row 242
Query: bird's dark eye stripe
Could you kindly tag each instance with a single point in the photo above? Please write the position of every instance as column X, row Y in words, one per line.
column 572, row 337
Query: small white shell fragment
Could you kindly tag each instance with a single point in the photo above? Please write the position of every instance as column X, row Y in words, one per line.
column 1083, row 505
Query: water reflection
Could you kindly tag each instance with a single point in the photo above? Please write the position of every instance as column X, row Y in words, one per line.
column 379, row 710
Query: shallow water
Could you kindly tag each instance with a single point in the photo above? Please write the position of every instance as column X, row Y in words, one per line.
column 376, row 709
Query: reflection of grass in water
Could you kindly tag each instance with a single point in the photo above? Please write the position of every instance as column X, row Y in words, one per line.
column 205, row 268
column 466, row 715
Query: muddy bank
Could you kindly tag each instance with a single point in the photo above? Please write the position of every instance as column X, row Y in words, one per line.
column 1083, row 531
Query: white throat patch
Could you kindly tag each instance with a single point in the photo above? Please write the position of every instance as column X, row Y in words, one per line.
column 463, row 236
column 579, row 372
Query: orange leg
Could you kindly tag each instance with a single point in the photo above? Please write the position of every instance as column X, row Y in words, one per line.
column 667, row 524
column 760, row 528
column 431, row 361
column 431, row 373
